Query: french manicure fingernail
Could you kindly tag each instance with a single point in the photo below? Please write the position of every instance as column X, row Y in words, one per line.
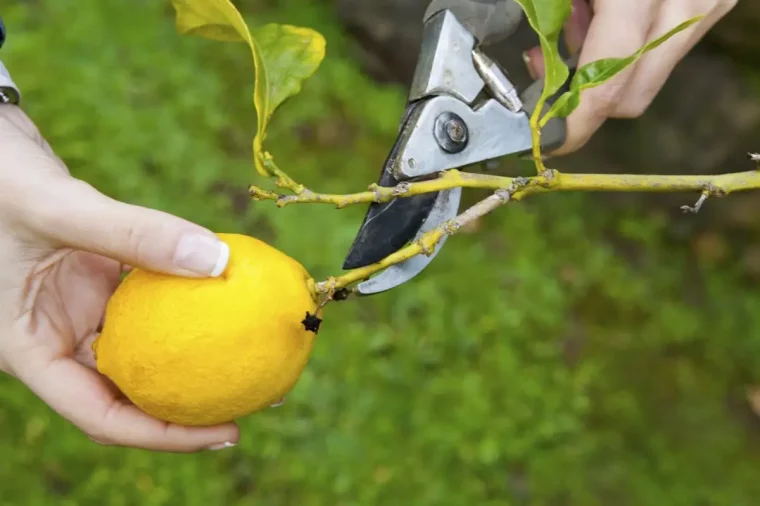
column 202, row 255
column 222, row 446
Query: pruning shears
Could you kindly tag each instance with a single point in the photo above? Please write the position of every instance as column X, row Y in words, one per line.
column 462, row 111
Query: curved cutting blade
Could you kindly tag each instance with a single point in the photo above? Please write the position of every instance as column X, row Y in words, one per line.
column 388, row 226
column 445, row 207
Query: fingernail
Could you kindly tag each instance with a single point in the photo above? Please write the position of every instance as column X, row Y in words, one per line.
column 222, row 446
column 202, row 255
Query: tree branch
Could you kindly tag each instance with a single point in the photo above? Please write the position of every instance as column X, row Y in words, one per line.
column 512, row 189
column 425, row 244
column 506, row 189
column 446, row 180
column 548, row 181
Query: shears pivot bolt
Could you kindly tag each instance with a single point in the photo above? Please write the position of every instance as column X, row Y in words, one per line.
column 450, row 132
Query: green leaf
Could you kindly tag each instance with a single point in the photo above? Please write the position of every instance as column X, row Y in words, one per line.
column 283, row 56
column 288, row 56
column 600, row 71
column 212, row 19
column 547, row 17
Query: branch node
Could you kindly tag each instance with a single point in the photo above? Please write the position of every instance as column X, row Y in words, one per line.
column 505, row 194
column 547, row 174
column 425, row 248
column 521, row 182
column 401, row 189
column 451, row 227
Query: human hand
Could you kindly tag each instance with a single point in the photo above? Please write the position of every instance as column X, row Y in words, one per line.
column 617, row 28
column 63, row 246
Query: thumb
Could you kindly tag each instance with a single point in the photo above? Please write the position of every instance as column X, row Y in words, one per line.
column 77, row 216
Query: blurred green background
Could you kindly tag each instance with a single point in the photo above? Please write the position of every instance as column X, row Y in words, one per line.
column 556, row 354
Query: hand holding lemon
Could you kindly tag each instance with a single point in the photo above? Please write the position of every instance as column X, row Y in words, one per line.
column 208, row 351
column 201, row 332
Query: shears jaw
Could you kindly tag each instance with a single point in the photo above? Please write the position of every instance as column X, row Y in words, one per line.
column 445, row 65
column 444, row 209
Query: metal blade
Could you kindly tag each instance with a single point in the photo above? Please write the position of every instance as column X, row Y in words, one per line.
column 445, row 207
column 388, row 226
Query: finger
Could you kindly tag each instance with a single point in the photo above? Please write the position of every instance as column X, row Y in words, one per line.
column 79, row 395
column 617, row 30
column 534, row 62
column 655, row 67
column 73, row 214
column 577, row 26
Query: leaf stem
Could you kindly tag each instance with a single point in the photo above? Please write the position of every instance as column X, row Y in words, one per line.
column 535, row 121
column 282, row 180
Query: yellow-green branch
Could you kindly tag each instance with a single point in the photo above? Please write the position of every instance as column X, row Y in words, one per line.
column 535, row 128
column 550, row 180
column 715, row 185
column 508, row 189
column 447, row 180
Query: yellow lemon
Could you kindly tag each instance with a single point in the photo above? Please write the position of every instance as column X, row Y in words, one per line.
column 207, row 351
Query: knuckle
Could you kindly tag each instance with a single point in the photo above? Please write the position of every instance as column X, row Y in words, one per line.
column 631, row 109
column 605, row 100
column 101, row 430
column 636, row 101
column 606, row 106
column 131, row 237
column 50, row 199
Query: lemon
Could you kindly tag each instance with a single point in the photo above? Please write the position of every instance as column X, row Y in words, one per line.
column 207, row 351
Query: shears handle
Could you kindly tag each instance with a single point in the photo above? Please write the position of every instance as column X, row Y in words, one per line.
column 492, row 21
column 489, row 21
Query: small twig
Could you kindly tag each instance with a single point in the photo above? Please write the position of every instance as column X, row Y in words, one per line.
column 696, row 207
